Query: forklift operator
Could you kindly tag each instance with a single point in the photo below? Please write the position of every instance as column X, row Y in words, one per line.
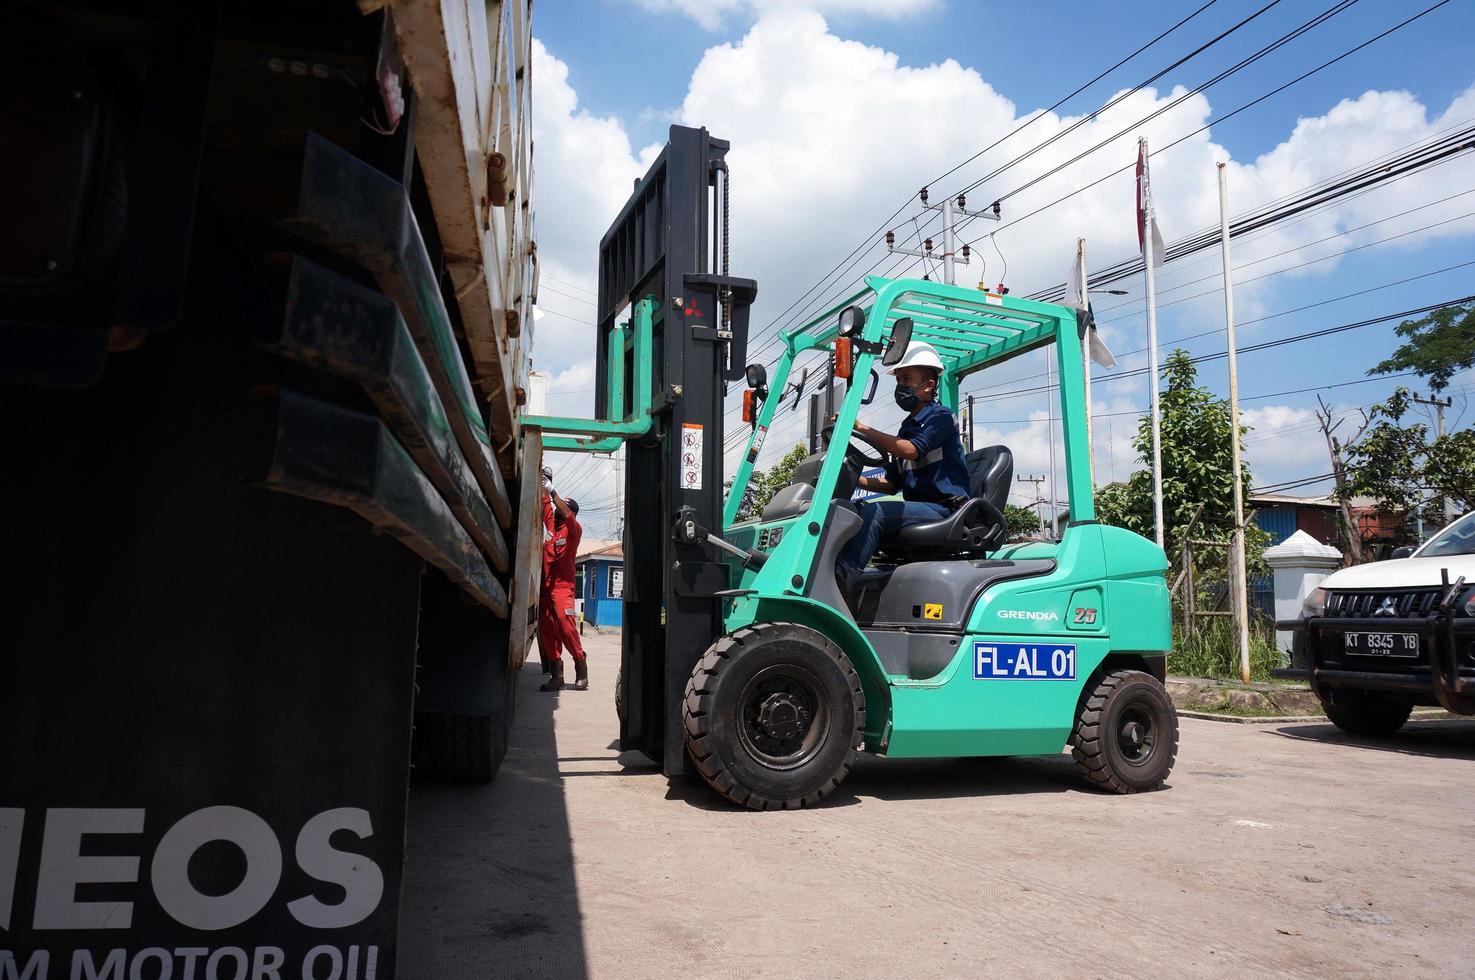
column 926, row 464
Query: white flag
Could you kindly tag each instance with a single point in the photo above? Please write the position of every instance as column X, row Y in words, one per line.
column 1076, row 296
column 1146, row 213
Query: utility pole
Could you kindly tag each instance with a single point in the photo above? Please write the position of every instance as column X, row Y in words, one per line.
column 618, row 456
column 1039, row 497
column 950, row 255
column 1439, row 407
column 968, row 436
column 1239, row 591
column 1147, row 229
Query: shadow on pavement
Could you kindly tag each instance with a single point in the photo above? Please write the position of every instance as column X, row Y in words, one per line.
column 940, row 779
column 489, row 887
column 917, row 779
column 1432, row 739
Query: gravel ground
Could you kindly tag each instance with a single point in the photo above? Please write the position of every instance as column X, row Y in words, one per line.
column 1287, row 850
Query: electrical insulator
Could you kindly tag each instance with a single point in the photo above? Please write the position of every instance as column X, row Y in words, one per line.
column 927, row 245
column 890, row 238
column 997, row 210
column 962, row 203
column 965, row 252
column 924, row 195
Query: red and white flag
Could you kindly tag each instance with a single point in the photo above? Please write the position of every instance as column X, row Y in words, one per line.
column 1146, row 213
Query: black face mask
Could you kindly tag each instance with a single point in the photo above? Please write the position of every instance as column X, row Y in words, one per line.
column 906, row 397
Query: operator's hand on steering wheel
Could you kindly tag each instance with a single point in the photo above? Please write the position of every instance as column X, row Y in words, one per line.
column 851, row 452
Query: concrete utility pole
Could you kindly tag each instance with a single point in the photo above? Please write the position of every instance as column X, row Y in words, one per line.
column 1148, row 264
column 1439, row 406
column 1039, row 497
column 1239, row 587
column 950, row 255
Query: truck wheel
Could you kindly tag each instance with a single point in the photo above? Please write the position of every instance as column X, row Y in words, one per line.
column 461, row 748
column 1126, row 733
column 1364, row 713
column 774, row 716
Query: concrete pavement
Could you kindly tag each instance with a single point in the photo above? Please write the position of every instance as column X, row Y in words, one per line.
column 1285, row 851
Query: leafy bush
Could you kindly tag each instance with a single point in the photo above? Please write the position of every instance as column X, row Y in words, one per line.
column 1213, row 652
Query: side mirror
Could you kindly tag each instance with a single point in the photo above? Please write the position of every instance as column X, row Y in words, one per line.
column 1402, row 552
column 757, row 376
column 799, row 388
column 901, row 336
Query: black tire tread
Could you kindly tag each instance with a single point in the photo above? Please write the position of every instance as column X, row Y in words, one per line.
column 1085, row 738
column 699, row 689
column 1370, row 717
column 461, row 748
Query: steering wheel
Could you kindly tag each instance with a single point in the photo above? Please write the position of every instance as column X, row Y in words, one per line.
column 854, row 454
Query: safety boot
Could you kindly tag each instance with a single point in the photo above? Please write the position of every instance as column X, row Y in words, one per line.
column 581, row 675
column 555, row 681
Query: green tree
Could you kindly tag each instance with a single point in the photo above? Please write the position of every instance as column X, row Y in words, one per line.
column 1197, row 467
column 1449, row 468
column 762, row 485
column 1394, row 463
column 1020, row 522
column 1437, row 347
column 1386, row 461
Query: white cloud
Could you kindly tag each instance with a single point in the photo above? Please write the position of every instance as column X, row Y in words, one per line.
column 711, row 14
column 829, row 135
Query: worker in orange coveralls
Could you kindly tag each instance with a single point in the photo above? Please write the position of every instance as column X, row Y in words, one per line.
column 557, row 627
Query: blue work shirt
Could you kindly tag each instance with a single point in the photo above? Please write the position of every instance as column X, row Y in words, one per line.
column 939, row 473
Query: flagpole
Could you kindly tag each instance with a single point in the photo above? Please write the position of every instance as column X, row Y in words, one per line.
column 1239, row 592
column 1086, row 357
column 1152, row 377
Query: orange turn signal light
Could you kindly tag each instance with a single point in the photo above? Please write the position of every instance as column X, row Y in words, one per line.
column 750, row 399
column 843, row 362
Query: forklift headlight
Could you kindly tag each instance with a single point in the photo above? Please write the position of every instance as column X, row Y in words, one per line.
column 852, row 319
column 1314, row 604
column 757, row 376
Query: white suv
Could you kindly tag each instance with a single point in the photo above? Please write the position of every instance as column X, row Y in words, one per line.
column 1377, row 639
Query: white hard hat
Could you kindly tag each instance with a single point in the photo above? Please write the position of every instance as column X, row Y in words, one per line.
column 919, row 354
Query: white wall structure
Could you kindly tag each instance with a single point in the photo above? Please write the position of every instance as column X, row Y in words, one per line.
column 1300, row 563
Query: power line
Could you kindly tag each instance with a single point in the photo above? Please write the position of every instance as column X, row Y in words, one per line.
column 870, row 239
column 1321, row 18
column 1229, row 115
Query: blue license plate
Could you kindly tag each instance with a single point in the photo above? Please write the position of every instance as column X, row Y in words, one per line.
column 1023, row 661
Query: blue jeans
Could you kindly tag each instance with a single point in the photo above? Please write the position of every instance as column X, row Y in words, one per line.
column 881, row 517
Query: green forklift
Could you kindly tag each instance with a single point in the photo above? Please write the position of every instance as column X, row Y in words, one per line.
column 745, row 659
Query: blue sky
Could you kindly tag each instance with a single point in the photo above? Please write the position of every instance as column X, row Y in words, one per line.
column 786, row 86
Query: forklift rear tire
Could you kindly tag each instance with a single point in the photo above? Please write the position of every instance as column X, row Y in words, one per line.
column 1126, row 733
column 774, row 716
column 1367, row 713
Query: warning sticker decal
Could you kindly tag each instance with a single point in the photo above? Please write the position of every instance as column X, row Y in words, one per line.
column 691, row 456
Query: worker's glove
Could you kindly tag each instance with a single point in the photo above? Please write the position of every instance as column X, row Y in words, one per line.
column 547, row 475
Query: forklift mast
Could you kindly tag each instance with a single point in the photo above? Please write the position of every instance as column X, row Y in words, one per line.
column 669, row 246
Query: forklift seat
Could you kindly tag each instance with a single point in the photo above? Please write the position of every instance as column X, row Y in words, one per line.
column 976, row 527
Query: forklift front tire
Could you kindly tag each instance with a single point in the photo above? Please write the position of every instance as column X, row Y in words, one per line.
column 1367, row 713
column 1125, row 737
column 774, row 716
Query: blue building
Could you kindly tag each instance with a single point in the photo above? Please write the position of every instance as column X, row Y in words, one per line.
column 601, row 574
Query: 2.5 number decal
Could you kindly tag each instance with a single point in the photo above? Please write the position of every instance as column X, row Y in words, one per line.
column 1084, row 616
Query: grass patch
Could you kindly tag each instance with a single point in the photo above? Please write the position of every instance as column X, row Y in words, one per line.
column 1213, row 652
